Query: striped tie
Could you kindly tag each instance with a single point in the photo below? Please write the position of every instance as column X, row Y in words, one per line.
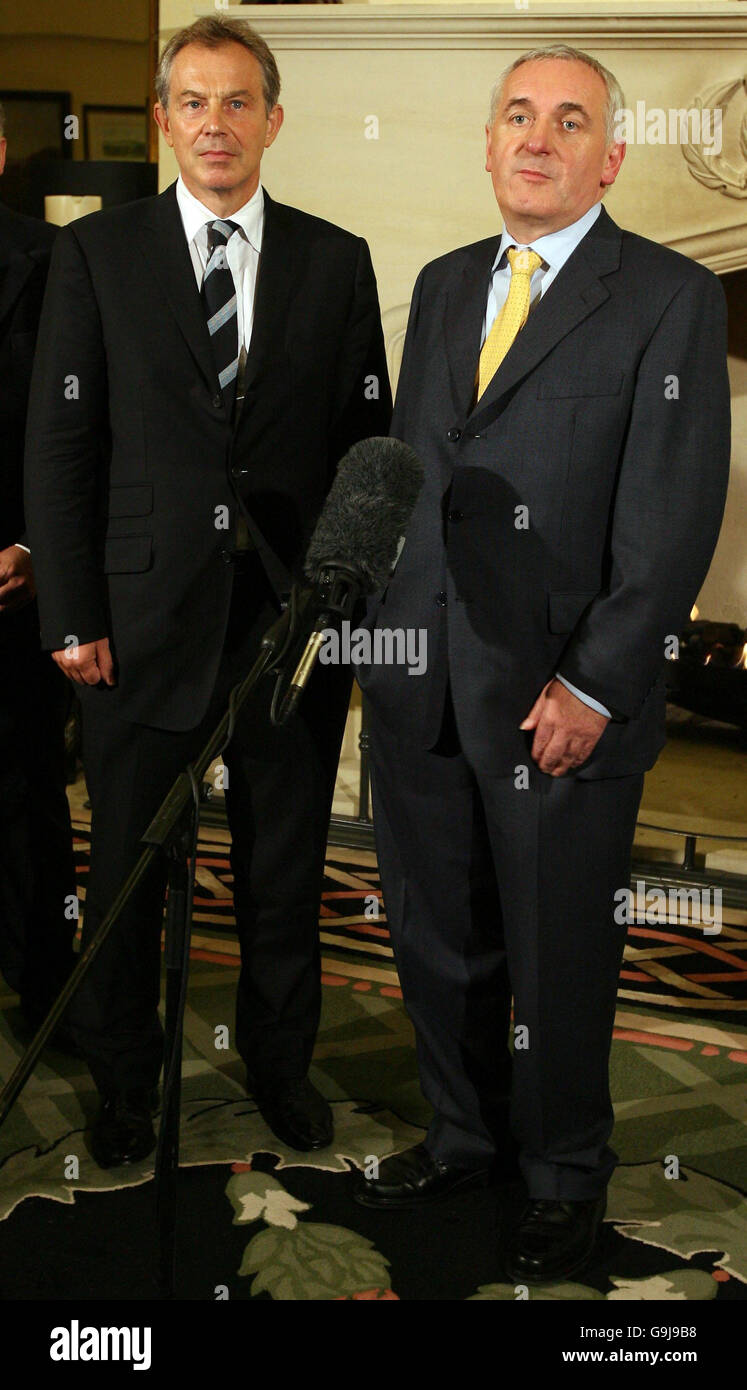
column 219, row 299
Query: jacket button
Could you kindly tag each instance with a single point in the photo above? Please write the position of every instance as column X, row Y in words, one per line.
column 455, row 514
column 454, row 435
column 441, row 599
column 218, row 401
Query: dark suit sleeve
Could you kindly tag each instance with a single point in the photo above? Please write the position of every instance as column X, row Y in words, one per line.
column 363, row 404
column 668, row 505
column 67, row 423
column 17, row 345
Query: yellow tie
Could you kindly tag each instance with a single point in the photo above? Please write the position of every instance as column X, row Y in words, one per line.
column 512, row 317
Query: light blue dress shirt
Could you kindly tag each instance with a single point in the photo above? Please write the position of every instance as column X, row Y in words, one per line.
column 555, row 248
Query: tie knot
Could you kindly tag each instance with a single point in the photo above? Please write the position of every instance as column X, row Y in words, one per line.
column 220, row 232
column 523, row 262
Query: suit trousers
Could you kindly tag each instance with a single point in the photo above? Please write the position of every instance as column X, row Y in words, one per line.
column 37, row 871
column 280, row 783
column 493, row 888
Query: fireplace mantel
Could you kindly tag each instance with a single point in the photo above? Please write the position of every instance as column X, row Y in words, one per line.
column 667, row 24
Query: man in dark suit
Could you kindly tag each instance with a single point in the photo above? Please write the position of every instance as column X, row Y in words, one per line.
column 37, row 874
column 184, row 432
column 565, row 386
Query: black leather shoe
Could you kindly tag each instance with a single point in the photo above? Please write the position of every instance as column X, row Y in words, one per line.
column 412, row 1178
column 553, row 1239
column 123, row 1130
column 295, row 1111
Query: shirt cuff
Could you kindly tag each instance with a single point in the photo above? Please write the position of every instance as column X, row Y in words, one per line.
column 20, row 546
column 593, row 704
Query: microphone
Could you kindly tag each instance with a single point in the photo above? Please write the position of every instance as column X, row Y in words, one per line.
column 357, row 540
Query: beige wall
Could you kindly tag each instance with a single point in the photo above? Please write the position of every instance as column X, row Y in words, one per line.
column 724, row 594
column 420, row 189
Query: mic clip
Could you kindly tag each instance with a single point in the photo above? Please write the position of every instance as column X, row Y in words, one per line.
column 338, row 588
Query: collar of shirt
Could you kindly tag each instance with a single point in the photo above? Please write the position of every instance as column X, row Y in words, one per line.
column 195, row 217
column 555, row 248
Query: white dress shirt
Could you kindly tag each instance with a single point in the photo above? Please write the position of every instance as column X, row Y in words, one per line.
column 555, row 248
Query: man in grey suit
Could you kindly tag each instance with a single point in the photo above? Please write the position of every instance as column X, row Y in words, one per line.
column 565, row 387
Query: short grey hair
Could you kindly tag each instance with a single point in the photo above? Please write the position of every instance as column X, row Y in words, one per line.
column 212, row 31
column 615, row 98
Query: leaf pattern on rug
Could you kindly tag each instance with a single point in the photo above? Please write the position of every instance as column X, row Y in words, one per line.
column 259, row 1197
column 684, row 1215
column 674, row 1286
column 37, row 1172
column 314, row 1261
column 212, row 1131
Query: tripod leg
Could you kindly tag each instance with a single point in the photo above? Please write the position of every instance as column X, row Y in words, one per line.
column 178, row 915
column 157, row 836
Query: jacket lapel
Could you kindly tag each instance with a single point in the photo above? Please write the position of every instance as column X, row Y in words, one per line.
column 575, row 293
column 169, row 260
column 276, row 275
column 463, row 319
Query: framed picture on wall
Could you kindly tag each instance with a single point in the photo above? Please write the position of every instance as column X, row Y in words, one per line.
column 35, row 125
column 115, row 132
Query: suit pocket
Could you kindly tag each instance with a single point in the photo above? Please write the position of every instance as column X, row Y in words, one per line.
column 565, row 609
column 127, row 554
column 581, row 384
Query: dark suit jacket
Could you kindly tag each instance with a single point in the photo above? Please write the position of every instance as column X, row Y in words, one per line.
column 568, row 520
column 132, row 460
column 25, row 248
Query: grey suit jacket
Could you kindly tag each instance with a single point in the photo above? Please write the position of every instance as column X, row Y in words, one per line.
column 568, row 519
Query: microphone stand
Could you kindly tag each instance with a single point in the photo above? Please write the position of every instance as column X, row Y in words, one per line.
column 172, row 832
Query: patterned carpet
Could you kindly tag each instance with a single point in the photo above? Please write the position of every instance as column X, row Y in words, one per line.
column 669, row 962
column 262, row 1222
